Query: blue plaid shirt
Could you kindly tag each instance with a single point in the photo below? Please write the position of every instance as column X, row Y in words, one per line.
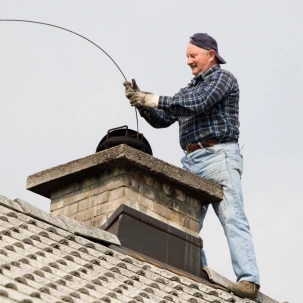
column 206, row 109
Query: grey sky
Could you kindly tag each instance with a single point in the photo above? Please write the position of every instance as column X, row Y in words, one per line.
column 59, row 96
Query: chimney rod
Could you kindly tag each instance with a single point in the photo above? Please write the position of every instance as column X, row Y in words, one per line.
column 70, row 31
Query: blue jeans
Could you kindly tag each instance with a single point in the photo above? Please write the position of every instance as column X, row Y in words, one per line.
column 223, row 164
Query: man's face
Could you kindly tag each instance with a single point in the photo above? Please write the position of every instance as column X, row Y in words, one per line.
column 199, row 59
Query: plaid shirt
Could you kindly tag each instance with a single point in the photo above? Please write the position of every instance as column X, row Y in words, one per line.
column 206, row 109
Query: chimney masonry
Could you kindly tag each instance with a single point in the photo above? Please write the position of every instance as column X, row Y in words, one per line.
column 103, row 188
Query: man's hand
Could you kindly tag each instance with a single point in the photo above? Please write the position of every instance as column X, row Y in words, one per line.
column 138, row 98
column 143, row 99
column 131, row 86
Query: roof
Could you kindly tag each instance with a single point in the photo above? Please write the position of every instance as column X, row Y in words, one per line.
column 44, row 258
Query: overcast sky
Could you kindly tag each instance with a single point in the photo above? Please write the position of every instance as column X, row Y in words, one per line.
column 60, row 94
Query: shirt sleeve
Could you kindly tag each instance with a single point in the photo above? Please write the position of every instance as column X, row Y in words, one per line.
column 157, row 117
column 196, row 99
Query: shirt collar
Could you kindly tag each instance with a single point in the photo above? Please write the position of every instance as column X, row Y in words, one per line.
column 205, row 74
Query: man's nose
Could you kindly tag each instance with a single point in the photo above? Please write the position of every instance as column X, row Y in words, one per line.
column 189, row 61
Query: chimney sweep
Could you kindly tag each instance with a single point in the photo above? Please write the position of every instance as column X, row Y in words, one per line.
column 207, row 111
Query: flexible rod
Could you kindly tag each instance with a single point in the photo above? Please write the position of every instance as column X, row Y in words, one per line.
column 65, row 29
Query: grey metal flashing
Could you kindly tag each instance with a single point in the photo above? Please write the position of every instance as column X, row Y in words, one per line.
column 153, row 222
column 158, row 240
column 46, row 181
column 201, row 279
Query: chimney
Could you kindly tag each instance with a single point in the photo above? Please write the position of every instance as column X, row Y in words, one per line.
column 152, row 206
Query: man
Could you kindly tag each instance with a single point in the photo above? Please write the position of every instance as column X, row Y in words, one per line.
column 207, row 111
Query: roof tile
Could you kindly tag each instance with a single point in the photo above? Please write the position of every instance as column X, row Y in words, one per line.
column 82, row 229
column 9, row 204
column 43, row 262
column 16, row 296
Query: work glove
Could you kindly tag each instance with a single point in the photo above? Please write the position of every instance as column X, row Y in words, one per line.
column 131, row 86
column 138, row 98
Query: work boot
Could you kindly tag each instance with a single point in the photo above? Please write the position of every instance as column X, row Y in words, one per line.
column 245, row 289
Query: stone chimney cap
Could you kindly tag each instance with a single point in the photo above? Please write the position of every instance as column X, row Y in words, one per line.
column 46, row 181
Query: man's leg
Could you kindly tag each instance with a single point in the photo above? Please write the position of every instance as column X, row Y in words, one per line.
column 203, row 214
column 188, row 165
column 223, row 164
column 234, row 221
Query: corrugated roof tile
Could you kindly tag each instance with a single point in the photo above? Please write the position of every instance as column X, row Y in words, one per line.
column 16, row 296
column 43, row 262
column 37, row 213
column 8, row 205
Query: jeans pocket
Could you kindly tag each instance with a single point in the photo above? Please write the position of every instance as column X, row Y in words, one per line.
column 236, row 161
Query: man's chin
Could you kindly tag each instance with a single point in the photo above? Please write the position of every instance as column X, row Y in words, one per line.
column 194, row 71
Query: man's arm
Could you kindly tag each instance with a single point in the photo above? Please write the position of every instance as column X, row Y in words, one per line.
column 196, row 100
column 156, row 117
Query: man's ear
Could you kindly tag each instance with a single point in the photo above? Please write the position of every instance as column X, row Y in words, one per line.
column 212, row 55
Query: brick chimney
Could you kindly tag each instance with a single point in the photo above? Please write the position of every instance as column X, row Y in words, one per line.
column 152, row 206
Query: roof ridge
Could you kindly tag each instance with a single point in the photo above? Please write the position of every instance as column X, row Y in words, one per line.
column 73, row 226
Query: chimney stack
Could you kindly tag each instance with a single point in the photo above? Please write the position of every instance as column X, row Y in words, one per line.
column 152, row 206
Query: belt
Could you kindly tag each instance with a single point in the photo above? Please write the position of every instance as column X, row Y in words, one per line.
column 193, row 147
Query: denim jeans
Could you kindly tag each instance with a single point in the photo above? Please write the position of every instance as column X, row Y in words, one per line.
column 223, row 164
